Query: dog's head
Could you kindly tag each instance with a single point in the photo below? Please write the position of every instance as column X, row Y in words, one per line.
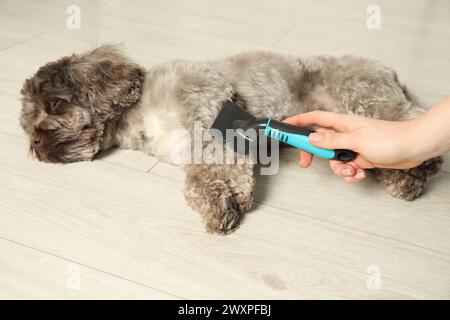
column 67, row 103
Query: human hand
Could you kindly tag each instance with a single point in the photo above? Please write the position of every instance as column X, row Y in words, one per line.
column 379, row 143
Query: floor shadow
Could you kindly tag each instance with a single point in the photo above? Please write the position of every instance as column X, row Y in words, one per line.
column 105, row 153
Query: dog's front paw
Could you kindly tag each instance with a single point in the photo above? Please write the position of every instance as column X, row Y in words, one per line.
column 221, row 193
column 220, row 208
column 220, row 204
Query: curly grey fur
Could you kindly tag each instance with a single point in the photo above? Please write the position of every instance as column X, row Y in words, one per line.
column 107, row 102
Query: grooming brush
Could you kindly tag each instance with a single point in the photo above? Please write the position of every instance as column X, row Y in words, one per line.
column 233, row 118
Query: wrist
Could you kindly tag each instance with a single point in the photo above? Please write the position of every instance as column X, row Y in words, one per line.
column 420, row 139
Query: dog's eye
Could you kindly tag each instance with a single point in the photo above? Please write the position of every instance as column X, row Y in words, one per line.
column 56, row 107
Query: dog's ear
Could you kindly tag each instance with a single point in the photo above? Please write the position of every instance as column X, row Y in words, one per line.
column 113, row 82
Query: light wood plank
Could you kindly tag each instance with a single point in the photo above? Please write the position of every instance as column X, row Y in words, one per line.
column 129, row 158
column 311, row 236
column 232, row 21
column 31, row 274
column 446, row 165
column 144, row 232
column 365, row 206
column 411, row 44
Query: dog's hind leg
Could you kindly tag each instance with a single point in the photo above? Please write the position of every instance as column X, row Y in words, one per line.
column 408, row 184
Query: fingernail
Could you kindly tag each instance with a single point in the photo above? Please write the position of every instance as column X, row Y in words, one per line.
column 360, row 175
column 316, row 137
column 347, row 172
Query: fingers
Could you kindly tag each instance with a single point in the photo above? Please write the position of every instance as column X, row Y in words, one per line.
column 333, row 120
column 305, row 159
column 349, row 171
column 358, row 177
column 351, row 179
column 341, row 169
column 325, row 138
column 360, row 162
column 332, row 140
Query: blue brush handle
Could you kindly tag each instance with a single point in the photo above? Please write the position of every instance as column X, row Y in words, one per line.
column 299, row 137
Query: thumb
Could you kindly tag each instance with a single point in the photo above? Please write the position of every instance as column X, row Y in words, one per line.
column 332, row 140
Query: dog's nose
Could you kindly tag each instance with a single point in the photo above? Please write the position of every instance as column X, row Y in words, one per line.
column 37, row 140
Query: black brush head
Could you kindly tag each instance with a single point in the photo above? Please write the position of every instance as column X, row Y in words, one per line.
column 228, row 115
column 231, row 117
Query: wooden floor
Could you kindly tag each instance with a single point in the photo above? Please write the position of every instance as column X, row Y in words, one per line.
column 118, row 227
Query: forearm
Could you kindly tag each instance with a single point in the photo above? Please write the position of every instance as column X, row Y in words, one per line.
column 432, row 132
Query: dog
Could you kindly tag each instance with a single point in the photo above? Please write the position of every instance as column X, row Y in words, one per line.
column 82, row 104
